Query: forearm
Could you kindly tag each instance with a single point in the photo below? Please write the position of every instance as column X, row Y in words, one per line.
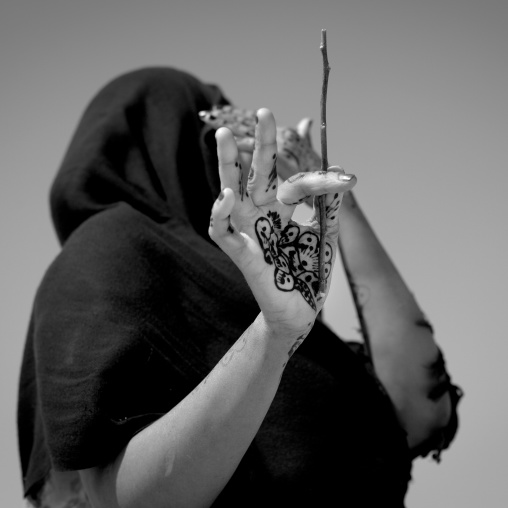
column 383, row 298
column 400, row 339
column 187, row 456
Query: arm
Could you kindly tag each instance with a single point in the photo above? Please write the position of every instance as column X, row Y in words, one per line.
column 188, row 455
column 406, row 357
column 400, row 339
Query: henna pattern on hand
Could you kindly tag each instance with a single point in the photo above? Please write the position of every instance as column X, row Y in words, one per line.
column 333, row 207
column 300, row 201
column 275, row 218
column 272, row 177
column 295, row 255
column 295, row 178
column 296, row 345
column 241, row 189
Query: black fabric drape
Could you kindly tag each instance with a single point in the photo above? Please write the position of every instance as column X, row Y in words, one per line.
column 140, row 305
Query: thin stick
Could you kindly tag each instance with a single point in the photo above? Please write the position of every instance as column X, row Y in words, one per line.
column 324, row 163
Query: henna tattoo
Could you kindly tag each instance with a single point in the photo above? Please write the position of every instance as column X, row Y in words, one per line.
column 295, row 178
column 296, row 345
column 300, row 201
column 440, row 379
column 205, row 380
column 295, row 256
column 241, row 189
column 236, row 348
column 242, row 124
column 275, row 218
column 272, row 177
column 362, row 294
column 333, row 207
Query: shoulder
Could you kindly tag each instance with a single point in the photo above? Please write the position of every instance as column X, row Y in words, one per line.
column 104, row 252
column 109, row 235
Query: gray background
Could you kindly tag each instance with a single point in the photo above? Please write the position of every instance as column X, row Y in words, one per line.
column 417, row 109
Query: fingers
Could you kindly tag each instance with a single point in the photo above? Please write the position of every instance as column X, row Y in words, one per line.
column 230, row 169
column 245, row 144
column 298, row 188
column 332, row 206
column 262, row 183
column 221, row 231
column 303, row 129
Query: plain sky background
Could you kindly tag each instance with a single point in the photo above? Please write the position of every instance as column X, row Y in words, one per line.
column 417, row 109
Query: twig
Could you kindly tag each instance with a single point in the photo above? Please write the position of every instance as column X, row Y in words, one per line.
column 324, row 164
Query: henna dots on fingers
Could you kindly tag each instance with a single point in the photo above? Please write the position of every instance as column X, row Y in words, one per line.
column 272, row 177
column 333, row 207
column 241, row 189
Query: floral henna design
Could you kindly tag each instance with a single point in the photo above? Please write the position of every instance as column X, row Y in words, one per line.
column 295, row 256
column 275, row 217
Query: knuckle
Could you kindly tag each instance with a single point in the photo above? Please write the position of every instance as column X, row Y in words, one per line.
column 213, row 233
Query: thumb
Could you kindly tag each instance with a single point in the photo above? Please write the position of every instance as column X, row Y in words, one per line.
column 221, row 231
column 300, row 187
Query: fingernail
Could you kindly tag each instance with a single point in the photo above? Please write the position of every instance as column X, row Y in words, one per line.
column 345, row 177
column 221, row 196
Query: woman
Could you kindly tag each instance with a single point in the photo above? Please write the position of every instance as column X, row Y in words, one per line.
column 160, row 370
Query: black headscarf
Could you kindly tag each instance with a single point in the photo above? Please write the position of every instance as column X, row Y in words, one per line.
column 140, row 305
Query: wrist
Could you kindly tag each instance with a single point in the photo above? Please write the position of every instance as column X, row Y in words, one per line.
column 281, row 333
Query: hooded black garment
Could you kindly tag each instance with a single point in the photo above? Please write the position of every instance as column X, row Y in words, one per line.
column 140, row 305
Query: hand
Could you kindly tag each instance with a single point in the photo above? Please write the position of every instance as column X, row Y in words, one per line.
column 277, row 256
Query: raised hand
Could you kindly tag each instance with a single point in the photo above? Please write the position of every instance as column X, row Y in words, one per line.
column 252, row 224
column 294, row 146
